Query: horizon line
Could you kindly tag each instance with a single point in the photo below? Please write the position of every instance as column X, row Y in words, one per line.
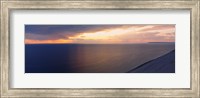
column 96, row 43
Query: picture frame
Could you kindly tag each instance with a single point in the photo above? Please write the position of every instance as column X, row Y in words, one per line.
column 8, row 5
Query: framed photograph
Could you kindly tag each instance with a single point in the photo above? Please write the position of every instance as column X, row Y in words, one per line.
column 64, row 48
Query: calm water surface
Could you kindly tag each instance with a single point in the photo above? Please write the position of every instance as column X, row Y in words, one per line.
column 90, row 58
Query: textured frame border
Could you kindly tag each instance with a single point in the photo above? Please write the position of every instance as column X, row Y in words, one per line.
column 8, row 5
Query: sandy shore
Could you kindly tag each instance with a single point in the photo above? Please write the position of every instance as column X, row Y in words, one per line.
column 163, row 64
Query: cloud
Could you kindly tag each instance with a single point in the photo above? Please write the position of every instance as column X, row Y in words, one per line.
column 46, row 32
column 45, row 37
column 99, row 33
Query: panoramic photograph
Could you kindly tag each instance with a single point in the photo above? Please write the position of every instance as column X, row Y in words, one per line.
column 105, row 48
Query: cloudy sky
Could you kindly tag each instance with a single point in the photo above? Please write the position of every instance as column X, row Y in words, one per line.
column 98, row 34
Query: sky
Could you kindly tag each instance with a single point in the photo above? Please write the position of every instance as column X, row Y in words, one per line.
column 98, row 34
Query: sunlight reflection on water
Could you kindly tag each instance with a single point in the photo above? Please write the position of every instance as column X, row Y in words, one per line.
column 78, row 58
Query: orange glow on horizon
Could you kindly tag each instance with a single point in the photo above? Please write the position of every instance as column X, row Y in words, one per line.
column 59, row 41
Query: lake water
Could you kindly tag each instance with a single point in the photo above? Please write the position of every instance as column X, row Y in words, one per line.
column 91, row 58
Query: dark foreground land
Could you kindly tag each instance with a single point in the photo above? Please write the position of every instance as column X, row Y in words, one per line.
column 163, row 64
